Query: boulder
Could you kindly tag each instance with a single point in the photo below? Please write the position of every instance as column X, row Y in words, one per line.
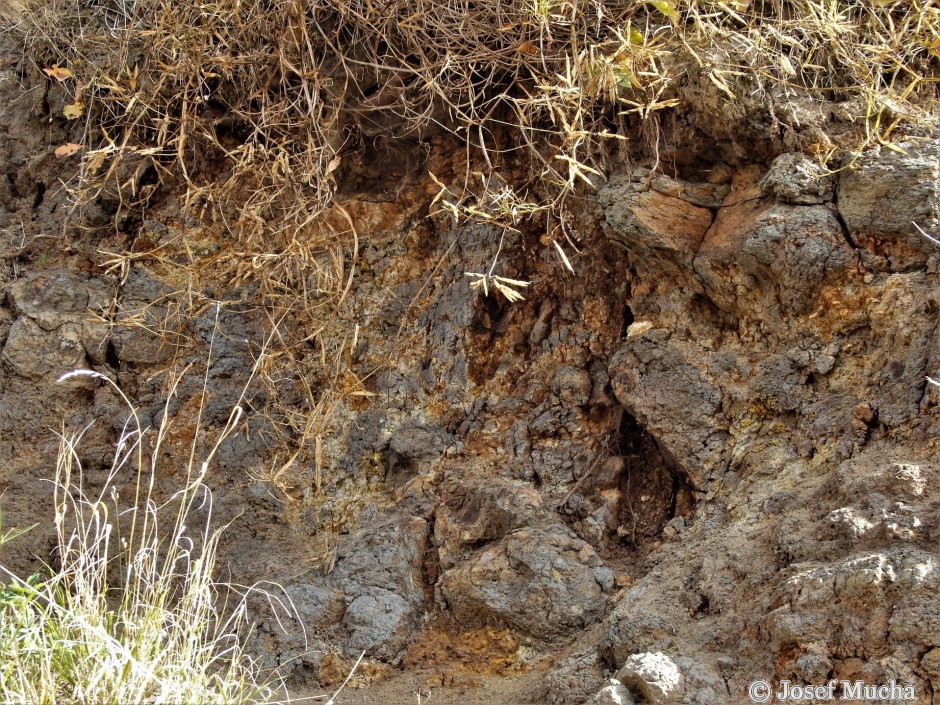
column 544, row 582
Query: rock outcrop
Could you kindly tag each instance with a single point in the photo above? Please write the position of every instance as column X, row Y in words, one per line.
column 708, row 458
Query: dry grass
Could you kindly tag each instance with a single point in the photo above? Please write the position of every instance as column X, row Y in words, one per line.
column 132, row 612
column 253, row 105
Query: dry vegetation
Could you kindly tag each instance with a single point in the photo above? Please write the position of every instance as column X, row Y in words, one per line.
column 132, row 612
column 253, row 108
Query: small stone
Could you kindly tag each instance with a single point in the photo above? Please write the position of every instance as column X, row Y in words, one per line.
column 655, row 675
column 572, row 386
column 614, row 693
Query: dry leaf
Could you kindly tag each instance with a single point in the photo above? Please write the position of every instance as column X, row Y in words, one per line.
column 786, row 66
column 67, row 150
column 527, row 48
column 74, row 110
column 59, row 73
column 94, row 162
column 665, row 8
column 333, row 165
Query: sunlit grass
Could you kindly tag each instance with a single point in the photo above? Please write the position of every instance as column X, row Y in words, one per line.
column 131, row 611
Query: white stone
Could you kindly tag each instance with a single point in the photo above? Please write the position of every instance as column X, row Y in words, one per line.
column 615, row 693
column 655, row 675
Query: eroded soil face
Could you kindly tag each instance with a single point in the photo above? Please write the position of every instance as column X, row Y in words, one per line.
column 715, row 443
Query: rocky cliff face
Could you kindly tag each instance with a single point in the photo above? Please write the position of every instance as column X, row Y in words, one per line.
column 708, row 457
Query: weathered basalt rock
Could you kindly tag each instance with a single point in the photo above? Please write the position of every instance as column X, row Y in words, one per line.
column 380, row 573
column 653, row 377
column 37, row 354
column 710, row 455
column 886, row 192
column 543, row 582
column 474, row 514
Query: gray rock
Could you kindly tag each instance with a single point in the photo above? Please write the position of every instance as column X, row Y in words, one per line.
column 771, row 260
column 814, row 666
column 886, row 192
column 653, row 379
column 918, row 622
column 56, row 297
column 705, row 195
column 380, row 570
column 138, row 336
column 380, row 623
column 855, row 480
column 868, row 590
column 317, row 605
column 655, row 675
column 792, row 178
column 6, row 320
column 265, row 495
column 647, row 221
column 50, row 298
column 412, row 449
column 477, row 513
column 909, row 479
column 777, row 384
column 572, row 386
column 39, row 354
column 142, row 287
column 543, row 582
column 418, row 442
column 930, row 662
column 703, row 685
column 639, row 623
column 141, row 343
column 366, row 437
column 95, row 339
column 573, row 679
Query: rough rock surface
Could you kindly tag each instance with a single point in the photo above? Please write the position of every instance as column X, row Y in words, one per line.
column 655, row 675
column 544, row 583
column 615, row 693
column 709, row 457
column 887, row 193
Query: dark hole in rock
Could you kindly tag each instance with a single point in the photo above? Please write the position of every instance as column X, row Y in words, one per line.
column 111, row 356
column 651, row 491
column 231, row 132
column 627, row 320
column 629, row 499
column 149, row 177
column 40, row 194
